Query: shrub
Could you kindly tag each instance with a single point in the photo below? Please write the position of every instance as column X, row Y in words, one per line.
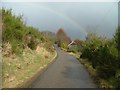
column 117, row 38
column 73, row 49
column 33, row 44
column 105, row 71
column 62, row 37
column 102, row 53
column 17, row 47
column 49, row 45
column 15, row 32
column 64, row 45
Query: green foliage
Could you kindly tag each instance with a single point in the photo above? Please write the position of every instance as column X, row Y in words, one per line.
column 76, row 46
column 117, row 79
column 73, row 49
column 48, row 44
column 16, row 32
column 33, row 44
column 103, row 55
column 117, row 38
column 64, row 45
column 105, row 71
column 91, row 45
column 17, row 47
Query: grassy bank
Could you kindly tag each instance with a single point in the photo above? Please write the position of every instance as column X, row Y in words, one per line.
column 17, row 69
column 101, row 58
column 25, row 50
column 101, row 83
column 0, row 69
column 93, row 73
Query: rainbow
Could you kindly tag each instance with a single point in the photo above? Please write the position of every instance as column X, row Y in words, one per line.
column 65, row 17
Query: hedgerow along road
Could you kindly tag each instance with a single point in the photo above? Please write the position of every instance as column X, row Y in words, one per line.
column 65, row 72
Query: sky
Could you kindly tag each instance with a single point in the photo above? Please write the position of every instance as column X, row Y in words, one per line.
column 76, row 18
column 60, row 0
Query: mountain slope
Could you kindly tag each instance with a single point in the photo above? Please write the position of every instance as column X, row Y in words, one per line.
column 25, row 50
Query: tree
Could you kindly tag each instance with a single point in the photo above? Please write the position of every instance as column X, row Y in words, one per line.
column 117, row 38
column 62, row 37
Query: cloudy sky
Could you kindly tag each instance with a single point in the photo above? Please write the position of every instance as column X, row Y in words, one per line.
column 77, row 18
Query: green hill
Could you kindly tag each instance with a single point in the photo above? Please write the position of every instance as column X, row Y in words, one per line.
column 25, row 50
column 18, row 34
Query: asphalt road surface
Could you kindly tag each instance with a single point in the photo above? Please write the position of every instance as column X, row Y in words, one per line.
column 65, row 72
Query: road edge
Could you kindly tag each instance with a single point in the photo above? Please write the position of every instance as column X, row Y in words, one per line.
column 80, row 61
column 29, row 81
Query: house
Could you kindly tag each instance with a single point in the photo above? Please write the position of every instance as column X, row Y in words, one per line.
column 74, row 46
column 72, row 43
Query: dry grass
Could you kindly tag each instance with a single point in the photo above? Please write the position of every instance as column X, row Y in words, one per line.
column 17, row 69
column 0, row 69
column 77, row 55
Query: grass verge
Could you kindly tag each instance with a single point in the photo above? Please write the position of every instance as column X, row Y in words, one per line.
column 18, row 69
column 102, row 83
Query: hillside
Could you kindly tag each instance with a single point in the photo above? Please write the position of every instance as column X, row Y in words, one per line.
column 50, row 35
column 25, row 50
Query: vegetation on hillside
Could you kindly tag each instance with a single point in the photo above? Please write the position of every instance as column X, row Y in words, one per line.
column 100, row 55
column 19, row 35
column 24, row 46
column 75, row 47
column 63, row 40
column 50, row 35
column 104, row 57
column 25, row 50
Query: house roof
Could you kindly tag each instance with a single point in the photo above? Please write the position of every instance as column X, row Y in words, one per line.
column 71, row 43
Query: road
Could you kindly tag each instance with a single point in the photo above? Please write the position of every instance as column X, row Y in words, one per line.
column 65, row 72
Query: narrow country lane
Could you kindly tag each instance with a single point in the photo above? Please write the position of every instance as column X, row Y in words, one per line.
column 65, row 72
